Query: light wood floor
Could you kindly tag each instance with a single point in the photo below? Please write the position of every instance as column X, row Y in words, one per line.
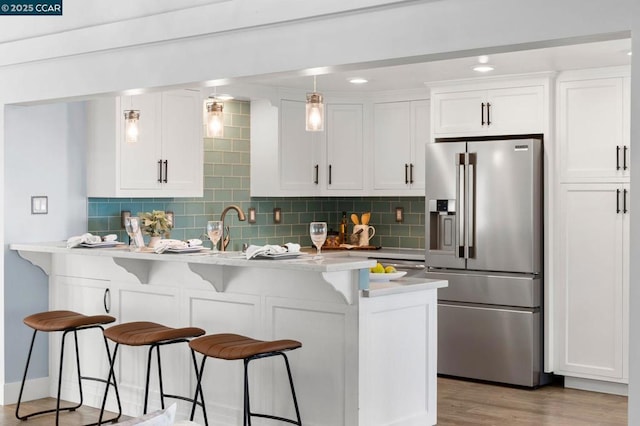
column 459, row 403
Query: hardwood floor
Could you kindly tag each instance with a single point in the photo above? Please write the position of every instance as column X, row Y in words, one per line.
column 459, row 403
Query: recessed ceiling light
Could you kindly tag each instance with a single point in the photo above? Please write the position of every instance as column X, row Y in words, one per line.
column 358, row 80
column 483, row 68
column 629, row 53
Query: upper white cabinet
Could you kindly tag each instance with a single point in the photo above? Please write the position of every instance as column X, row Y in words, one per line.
column 593, row 126
column 345, row 148
column 167, row 159
column 495, row 108
column 300, row 151
column 400, row 132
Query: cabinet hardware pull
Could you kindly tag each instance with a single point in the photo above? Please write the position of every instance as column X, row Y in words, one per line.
column 406, row 174
column 488, row 114
column 160, row 171
column 624, row 158
column 316, row 179
column 618, row 157
column 107, row 296
column 617, row 201
column 624, row 201
column 482, row 114
column 411, row 173
column 166, row 170
column 329, row 174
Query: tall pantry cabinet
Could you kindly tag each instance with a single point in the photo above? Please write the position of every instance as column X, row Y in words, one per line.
column 592, row 283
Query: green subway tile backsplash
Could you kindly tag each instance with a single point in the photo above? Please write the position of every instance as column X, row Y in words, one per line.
column 226, row 181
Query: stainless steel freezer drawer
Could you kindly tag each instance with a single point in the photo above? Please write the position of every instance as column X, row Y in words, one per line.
column 498, row 345
column 495, row 288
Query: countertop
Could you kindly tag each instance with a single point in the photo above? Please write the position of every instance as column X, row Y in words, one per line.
column 330, row 262
column 402, row 285
column 390, row 253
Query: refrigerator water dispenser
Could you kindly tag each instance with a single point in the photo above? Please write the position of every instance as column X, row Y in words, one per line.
column 442, row 215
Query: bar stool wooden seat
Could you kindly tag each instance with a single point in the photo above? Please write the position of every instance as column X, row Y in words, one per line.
column 67, row 322
column 236, row 347
column 144, row 333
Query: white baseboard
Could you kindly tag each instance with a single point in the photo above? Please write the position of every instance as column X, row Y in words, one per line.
column 33, row 389
column 596, row 386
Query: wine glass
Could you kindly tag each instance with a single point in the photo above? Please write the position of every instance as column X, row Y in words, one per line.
column 318, row 232
column 214, row 231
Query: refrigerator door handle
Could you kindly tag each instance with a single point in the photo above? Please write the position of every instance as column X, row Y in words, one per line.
column 471, row 203
column 460, row 204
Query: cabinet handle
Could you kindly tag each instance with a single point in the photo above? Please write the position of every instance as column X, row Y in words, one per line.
column 482, row 114
column 160, row 171
column 166, row 170
column 624, row 201
column 329, row 174
column 411, row 173
column 488, row 114
column 618, row 157
column 406, row 174
column 316, row 179
column 106, row 300
column 624, row 158
column 617, row 201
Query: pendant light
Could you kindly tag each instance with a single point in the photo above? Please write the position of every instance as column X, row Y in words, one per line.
column 215, row 120
column 131, row 130
column 314, row 110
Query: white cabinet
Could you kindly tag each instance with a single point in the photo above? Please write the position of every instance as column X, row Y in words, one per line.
column 300, row 151
column 593, row 128
column 591, row 289
column 306, row 163
column 345, row 148
column 515, row 108
column 167, row 159
column 400, row 132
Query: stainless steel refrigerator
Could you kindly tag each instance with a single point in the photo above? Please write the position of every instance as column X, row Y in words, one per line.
column 484, row 230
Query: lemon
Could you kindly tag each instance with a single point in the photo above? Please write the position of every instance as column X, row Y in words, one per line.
column 390, row 269
column 378, row 269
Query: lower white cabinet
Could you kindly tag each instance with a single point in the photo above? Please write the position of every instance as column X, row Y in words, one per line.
column 592, row 282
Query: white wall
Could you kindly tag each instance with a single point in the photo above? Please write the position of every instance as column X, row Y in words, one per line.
column 44, row 155
column 208, row 49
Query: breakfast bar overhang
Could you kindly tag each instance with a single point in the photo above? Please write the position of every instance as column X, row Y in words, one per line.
column 369, row 348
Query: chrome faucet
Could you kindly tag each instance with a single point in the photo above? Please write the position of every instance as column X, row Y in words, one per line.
column 227, row 239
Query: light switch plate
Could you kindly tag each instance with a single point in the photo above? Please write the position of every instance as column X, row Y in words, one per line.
column 39, row 204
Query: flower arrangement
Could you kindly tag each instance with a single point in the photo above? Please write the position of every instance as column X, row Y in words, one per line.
column 155, row 223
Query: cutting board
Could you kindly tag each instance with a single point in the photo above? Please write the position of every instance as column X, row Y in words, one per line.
column 353, row 248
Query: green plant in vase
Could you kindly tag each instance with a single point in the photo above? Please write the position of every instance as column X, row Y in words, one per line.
column 156, row 224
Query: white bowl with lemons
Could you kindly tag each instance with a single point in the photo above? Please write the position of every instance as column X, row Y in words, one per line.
column 382, row 273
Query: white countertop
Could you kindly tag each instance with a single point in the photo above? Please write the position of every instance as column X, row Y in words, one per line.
column 402, row 285
column 390, row 253
column 330, row 262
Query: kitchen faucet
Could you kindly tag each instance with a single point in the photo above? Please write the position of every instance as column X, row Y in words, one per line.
column 226, row 240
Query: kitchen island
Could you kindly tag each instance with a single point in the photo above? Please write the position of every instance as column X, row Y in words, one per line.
column 369, row 348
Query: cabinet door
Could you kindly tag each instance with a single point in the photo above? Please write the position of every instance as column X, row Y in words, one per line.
column 516, row 110
column 300, row 167
column 459, row 112
column 138, row 162
column 391, row 145
column 591, row 313
column 182, row 144
column 420, row 136
column 591, row 130
column 345, row 147
column 90, row 297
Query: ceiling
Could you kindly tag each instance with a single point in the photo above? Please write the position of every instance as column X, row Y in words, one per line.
column 415, row 76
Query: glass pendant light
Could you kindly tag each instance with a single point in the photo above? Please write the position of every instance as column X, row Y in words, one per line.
column 314, row 110
column 215, row 121
column 131, row 130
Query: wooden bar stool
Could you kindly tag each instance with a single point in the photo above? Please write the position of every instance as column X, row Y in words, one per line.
column 235, row 347
column 67, row 322
column 143, row 333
